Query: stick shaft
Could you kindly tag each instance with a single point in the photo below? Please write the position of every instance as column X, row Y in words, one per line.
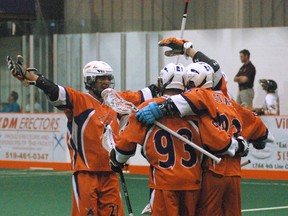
column 187, row 141
column 245, row 163
column 183, row 24
column 125, row 192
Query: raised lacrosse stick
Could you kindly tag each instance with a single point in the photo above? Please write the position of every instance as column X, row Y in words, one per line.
column 119, row 105
column 183, row 24
column 108, row 143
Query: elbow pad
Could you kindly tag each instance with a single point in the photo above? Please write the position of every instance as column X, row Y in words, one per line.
column 199, row 56
column 49, row 88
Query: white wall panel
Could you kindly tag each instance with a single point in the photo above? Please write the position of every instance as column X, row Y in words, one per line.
column 110, row 52
column 135, row 60
column 268, row 48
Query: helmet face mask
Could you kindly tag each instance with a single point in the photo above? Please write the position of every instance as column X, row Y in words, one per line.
column 98, row 76
column 97, row 81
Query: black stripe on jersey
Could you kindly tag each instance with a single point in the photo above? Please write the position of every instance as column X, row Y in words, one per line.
column 262, row 138
column 192, row 106
column 69, row 126
column 80, row 120
column 142, row 97
column 132, row 152
column 196, row 123
column 75, row 176
column 220, row 151
column 152, row 172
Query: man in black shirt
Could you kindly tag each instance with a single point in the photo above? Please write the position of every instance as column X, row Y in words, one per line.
column 245, row 79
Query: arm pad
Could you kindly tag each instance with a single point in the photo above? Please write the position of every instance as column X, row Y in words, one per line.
column 49, row 88
column 199, row 56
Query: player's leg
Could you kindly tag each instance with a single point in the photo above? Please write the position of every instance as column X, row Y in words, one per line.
column 165, row 203
column 210, row 201
column 188, row 202
column 232, row 197
column 109, row 202
column 84, row 197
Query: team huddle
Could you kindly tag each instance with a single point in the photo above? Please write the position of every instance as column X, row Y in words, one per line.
column 192, row 101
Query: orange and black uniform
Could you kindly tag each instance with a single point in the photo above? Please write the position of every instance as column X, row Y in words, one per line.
column 95, row 185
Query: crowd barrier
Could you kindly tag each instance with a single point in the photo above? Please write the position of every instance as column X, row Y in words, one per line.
column 38, row 141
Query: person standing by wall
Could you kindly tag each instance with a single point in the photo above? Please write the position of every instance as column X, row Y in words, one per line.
column 12, row 105
column 245, row 79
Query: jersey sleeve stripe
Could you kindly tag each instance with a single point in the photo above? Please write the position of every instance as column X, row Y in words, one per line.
column 145, row 94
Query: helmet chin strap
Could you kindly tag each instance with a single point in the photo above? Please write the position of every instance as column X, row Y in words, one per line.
column 97, row 92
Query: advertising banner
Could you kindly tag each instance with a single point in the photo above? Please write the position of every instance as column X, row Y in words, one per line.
column 33, row 137
column 275, row 155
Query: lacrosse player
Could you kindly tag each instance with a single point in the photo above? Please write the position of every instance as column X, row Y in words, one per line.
column 95, row 186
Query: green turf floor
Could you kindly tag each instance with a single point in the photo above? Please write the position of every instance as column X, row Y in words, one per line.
column 47, row 193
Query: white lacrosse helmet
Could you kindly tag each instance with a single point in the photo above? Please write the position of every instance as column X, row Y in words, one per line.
column 171, row 77
column 94, row 69
column 199, row 74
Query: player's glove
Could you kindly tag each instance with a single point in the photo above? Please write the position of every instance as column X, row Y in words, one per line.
column 17, row 69
column 178, row 47
column 243, row 147
column 148, row 114
column 114, row 164
column 259, row 145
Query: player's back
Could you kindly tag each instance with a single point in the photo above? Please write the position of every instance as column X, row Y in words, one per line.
column 172, row 161
column 228, row 120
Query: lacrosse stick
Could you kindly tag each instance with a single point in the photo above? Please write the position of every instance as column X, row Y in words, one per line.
column 119, row 105
column 183, row 24
column 245, row 163
column 108, row 143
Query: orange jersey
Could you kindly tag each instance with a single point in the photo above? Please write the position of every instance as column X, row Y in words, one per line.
column 173, row 161
column 224, row 117
column 227, row 116
column 86, row 120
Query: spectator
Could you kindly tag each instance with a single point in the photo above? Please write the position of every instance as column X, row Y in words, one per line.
column 271, row 104
column 245, row 79
column 12, row 105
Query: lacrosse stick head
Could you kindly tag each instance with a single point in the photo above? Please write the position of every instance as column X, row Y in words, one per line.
column 118, row 104
column 108, row 142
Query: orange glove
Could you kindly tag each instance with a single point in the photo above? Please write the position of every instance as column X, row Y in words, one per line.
column 176, row 45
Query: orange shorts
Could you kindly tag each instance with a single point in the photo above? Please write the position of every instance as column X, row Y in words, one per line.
column 96, row 194
column 220, row 195
column 171, row 203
